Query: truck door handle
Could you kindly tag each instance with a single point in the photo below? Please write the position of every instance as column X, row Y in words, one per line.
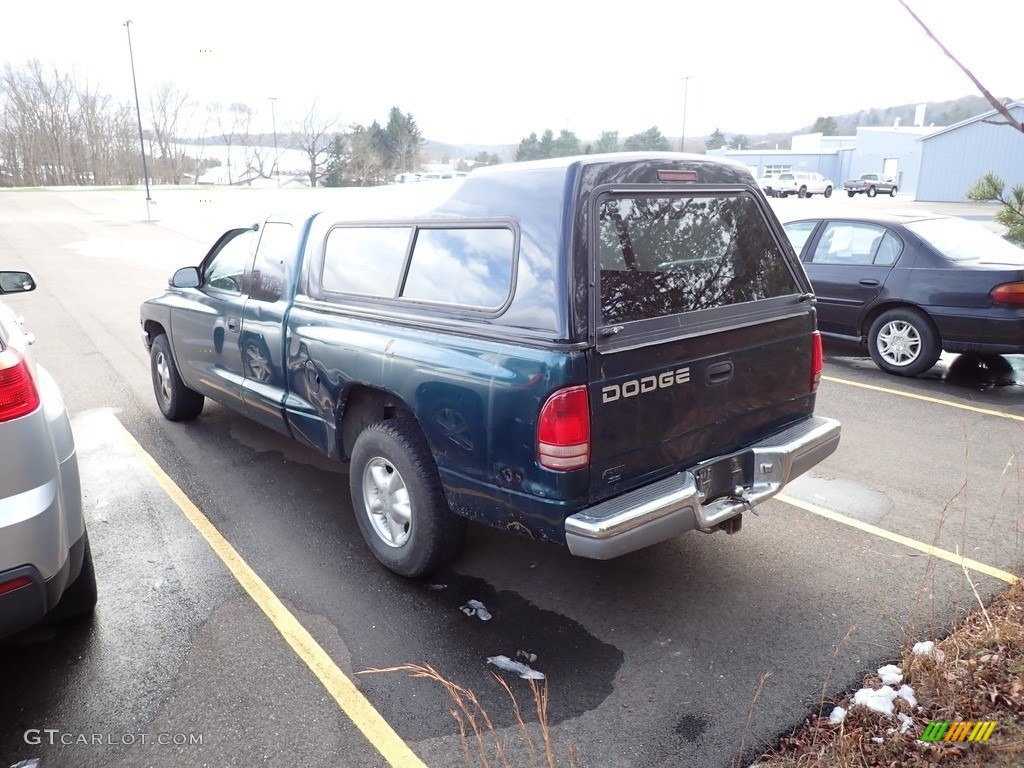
column 719, row 372
column 233, row 324
column 868, row 281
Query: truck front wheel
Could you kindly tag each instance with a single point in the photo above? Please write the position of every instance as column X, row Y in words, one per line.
column 398, row 500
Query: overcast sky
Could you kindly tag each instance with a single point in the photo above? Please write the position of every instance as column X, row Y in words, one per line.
column 492, row 72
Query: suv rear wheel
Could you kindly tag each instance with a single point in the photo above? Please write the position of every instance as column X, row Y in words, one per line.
column 904, row 342
column 892, row 192
column 398, row 501
column 79, row 599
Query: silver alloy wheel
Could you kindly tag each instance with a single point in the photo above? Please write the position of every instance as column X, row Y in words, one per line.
column 899, row 343
column 163, row 371
column 386, row 499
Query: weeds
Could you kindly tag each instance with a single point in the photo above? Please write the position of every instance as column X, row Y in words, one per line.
column 479, row 738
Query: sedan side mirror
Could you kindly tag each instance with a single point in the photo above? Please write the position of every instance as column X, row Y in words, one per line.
column 16, row 282
column 186, row 277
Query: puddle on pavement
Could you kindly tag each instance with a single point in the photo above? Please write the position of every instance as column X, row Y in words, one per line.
column 981, row 372
column 580, row 669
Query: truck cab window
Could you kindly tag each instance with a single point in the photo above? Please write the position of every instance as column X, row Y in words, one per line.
column 224, row 272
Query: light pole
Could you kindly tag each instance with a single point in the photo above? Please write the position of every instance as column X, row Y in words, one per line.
column 138, row 113
column 273, row 120
column 686, row 93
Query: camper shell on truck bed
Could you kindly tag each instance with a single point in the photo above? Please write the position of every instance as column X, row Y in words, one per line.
column 602, row 351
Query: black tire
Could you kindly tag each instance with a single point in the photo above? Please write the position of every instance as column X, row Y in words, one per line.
column 904, row 342
column 850, row 193
column 410, row 541
column 828, row 192
column 802, row 192
column 79, row 598
column 176, row 401
column 892, row 192
column 872, row 191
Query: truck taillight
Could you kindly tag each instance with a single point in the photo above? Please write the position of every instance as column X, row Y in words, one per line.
column 563, row 430
column 1008, row 293
column 817, row 360
column 18, row 395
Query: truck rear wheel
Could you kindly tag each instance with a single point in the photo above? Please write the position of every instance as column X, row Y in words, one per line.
column 850, row 193
column 398, row 501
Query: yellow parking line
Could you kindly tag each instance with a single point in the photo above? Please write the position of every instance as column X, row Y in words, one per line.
column 920, row 546
column 914, row 396
column 358, row 708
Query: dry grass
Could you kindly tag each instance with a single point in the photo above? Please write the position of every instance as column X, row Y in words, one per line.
column 483, row 744
column 979, row 677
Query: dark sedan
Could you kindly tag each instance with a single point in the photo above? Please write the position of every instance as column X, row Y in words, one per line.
column 912, row 286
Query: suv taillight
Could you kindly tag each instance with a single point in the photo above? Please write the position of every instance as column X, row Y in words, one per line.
column 563, row 430
column 817, row 360
column 18, row 395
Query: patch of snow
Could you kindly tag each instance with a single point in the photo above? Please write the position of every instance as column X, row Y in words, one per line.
column 505, row 663
column 927, row 648
column 906, row 692
column 876, row 700
column 837, row 716
column 436, row 587
column 476, row 608
column 906, row 721
column 890, row 674
column 526, row 656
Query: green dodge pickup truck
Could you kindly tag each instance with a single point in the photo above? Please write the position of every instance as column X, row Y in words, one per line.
column 603, row 352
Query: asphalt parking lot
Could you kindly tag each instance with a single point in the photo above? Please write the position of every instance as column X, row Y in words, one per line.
column 239, row 608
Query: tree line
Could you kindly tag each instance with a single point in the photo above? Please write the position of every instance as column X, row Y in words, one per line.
column 567, row 144
column 56, row 130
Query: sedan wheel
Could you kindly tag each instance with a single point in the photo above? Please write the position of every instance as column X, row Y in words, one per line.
column 904, row 342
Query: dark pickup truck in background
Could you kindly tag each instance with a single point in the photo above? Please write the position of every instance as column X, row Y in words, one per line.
column 603, row 351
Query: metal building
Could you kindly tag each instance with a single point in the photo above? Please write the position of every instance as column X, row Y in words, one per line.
column 954, row 158
column 929, row 163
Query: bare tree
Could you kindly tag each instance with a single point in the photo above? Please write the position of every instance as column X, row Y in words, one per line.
column 171, row 112
column 996, row 103
column 313, row 137
column 230, row 121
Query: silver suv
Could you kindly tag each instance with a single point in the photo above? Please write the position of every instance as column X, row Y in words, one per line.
column 45, row 563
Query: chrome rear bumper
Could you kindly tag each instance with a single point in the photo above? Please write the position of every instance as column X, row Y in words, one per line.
column 672, row 506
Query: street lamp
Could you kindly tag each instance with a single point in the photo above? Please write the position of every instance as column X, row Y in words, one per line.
column 686, row 93
column 138, row 113
column 273, row 120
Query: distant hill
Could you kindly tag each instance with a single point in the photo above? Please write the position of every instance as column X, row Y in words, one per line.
column 936, row 113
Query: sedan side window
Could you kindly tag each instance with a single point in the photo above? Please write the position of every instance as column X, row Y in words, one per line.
column 845, row 242
column 798, row 232
column 224, row 272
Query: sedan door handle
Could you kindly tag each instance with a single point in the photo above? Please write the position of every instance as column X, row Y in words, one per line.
column 233, row 324
column 868, row 281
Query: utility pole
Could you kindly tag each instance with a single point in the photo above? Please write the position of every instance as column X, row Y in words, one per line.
column 138, row 113
column 273, row 120
column 686, row 93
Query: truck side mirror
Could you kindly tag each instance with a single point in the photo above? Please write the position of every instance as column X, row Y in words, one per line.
column 186, row 277
column 16, row 282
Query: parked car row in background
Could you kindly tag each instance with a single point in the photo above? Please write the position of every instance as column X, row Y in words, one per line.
column 796, row 183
